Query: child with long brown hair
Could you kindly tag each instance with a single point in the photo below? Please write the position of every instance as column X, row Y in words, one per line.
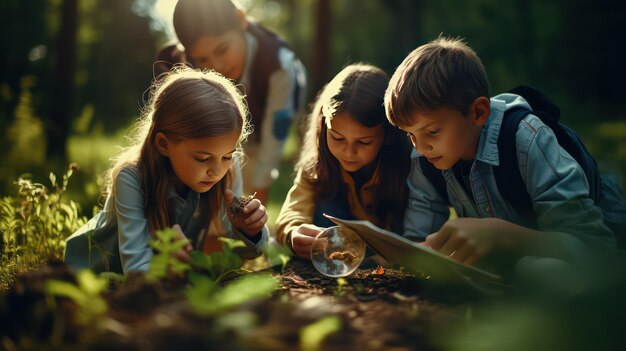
column 178, row 173
column 219, row 35
column 353, row 164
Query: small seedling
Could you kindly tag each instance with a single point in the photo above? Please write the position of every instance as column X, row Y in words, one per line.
column 86, row 294
column 340, row 289
column 164, row 262
column 219, row 264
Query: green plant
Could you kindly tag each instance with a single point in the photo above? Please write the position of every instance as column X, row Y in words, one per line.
column 340, row 290
column 86, row 295
column 277, row 254
column 205, row 296
column 164, row 263
column 217, row 265
column 34, row 225
column 204, row 293
column 312, row 336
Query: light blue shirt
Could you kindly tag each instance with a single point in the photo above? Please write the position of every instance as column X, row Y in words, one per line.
column 556, row 183
column 120, row 242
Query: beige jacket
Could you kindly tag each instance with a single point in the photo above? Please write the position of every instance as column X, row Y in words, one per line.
column 299, row 206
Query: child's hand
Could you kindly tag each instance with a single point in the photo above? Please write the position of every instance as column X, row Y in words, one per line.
column 182, row 254
column 251, row 219
column 467, row 239
column 302, row 239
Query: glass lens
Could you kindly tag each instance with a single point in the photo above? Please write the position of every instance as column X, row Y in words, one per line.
column 337, row 252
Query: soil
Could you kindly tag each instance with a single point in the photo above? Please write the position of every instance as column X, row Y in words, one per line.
column 379, row 309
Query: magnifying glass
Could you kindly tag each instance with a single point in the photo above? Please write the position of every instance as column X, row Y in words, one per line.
column 337, row 252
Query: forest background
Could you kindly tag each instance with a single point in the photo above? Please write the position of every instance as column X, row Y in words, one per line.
column 75, row 73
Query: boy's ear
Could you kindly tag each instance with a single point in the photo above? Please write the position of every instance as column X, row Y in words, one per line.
column 243, row 20
column 161, row 142
column 481, row 108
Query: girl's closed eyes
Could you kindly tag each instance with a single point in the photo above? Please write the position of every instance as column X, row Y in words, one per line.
column 205, row 159
column 368, row 141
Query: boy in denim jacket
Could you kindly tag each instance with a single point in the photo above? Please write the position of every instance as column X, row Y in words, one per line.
column 439, row 96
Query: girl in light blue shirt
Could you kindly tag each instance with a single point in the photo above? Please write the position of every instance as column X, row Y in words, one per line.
column 181, row 171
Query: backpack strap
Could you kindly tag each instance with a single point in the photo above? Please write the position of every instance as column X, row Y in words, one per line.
column 266, row 62
column 571, row 142
column 435, row 177
column 568, row 139
column 508, row 177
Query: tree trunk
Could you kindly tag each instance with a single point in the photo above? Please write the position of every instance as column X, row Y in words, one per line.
column 62, row 109
column 321, row 48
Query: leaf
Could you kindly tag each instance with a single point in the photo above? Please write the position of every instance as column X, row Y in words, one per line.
column 68, row 211
column 232, row 244
column 86, row 295
column 200, row 260
column 277, row 254
column 113, row 277
column 90, row 283
column 200, row 291
column 158, row 267
column 177, row 266
column 223, row 262
column 206, row 299
column 65, row 289
column 312, row 336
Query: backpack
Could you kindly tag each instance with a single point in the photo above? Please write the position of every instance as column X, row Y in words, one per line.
column 604, row 192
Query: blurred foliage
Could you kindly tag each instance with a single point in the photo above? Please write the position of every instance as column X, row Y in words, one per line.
column 312, row 336
column 34, row 225
column 206, row 297
column 86, row 294
column 559, row 306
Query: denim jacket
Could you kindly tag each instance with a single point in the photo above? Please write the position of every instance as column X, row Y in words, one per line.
column 556, row 184
column 119, row 242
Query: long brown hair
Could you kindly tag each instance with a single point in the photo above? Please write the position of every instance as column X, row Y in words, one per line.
column 188, row 104
column 358, row 90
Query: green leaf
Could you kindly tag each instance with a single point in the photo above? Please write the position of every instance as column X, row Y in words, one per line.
column 312, row 336
column 90, row 283
column 65, row 289
column 206, row 299
column 339, row 290
column 200, row 291
column 158, row 267
column 232, row 244
column 277, row 254
column 201, row 260
column 86, row 295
